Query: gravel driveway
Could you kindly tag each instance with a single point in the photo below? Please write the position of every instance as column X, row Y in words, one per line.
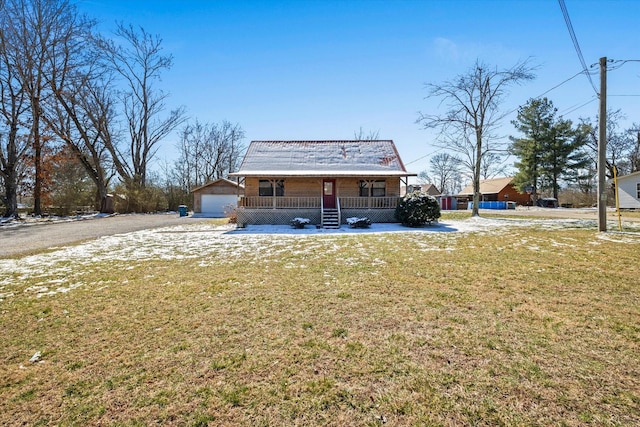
column 23, row 239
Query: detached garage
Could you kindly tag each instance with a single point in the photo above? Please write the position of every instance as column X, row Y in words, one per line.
column 213, row 198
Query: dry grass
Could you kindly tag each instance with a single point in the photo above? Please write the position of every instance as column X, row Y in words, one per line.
column 524, row 326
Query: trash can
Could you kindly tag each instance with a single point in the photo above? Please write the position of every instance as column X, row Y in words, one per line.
column 183, row 210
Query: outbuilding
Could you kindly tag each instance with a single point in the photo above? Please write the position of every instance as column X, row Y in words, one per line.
column 499, row 190
column 216, row 198
column 448, row 202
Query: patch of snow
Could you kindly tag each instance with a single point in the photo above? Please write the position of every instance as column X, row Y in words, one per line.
column 65, row 269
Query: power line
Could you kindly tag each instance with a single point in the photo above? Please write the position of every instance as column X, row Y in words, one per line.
column 514, row 110
column 620, row 62
column 577, row 107
column 560, row 84
column 426, row 155
column 576, row 45
column 547, row 91
column 616, row 64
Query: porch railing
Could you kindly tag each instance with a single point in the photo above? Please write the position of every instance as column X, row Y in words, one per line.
column 254, row 202
column 369, row 202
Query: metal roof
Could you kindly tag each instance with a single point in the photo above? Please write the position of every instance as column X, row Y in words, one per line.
column 322, row 158
column 488, row 186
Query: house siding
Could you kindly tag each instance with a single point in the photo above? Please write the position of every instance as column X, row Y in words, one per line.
column 312, row 187
column 511, row 193
column 627, row 192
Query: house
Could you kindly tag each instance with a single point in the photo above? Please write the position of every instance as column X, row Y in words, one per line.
column 629, row 191
column 494, row 190
column 324, row 181
column 216, row 197
column 430, row 189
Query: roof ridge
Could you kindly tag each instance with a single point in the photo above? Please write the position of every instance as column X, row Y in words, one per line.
column 322, row 140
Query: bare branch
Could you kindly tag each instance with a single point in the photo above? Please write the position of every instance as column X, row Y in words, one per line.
column 472, row 102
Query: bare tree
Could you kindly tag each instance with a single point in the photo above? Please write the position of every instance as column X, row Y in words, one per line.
column 492, row 165
column 139, row 63
column 620, row 143
column 473, row 113
column 15, row 128
column 446, row 170
column 361, row 135
column 83, row 116
column 635, row 153
column 208, row 151
column 32, row 26
column 79, row 109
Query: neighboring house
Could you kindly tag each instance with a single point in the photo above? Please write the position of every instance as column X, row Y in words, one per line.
column 324, row 181
column 629, row 191
column 215, row 198
column 430, row 189
column 494, row 190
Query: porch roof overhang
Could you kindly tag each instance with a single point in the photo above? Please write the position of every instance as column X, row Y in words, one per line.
column 320, row 174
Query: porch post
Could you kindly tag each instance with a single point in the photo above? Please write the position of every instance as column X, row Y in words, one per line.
column 273, row 193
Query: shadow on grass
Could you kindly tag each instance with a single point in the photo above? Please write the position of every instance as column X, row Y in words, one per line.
column 344, row 229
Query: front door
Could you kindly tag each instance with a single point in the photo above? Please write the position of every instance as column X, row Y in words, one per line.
column 329, row 193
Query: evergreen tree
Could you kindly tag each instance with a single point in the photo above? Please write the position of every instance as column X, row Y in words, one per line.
column 535, row 121
column 564, row 157
column 551, row 149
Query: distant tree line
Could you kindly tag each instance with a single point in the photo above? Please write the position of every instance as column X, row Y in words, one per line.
column 551, row 153
column 83, row 116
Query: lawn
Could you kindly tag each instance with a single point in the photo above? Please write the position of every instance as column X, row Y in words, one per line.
column 510, row 322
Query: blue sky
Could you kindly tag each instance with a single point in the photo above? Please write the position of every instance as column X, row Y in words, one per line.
column 324, row 69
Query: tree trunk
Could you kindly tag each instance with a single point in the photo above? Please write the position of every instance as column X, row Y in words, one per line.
column 476, row 174
column 11, row 195
column 10, row 175
column 37, row 159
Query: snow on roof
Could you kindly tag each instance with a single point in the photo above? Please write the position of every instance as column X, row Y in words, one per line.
column 488, row 186
column 322, row 158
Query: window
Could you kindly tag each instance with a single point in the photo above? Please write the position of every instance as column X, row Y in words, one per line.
column 328, row 188
column 379, row 189
column 364, row 189
column 376, row 188
column 265, row 188
column 638, row 190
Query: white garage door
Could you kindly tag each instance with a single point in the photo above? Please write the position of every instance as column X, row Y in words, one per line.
column 215, row 204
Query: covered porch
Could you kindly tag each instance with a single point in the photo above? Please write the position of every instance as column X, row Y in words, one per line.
column 258, row 202
column 280, row 210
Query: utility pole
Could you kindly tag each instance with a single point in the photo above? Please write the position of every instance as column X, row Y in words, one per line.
column 602, row 148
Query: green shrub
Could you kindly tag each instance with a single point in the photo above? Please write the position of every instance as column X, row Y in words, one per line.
column 417, row 209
